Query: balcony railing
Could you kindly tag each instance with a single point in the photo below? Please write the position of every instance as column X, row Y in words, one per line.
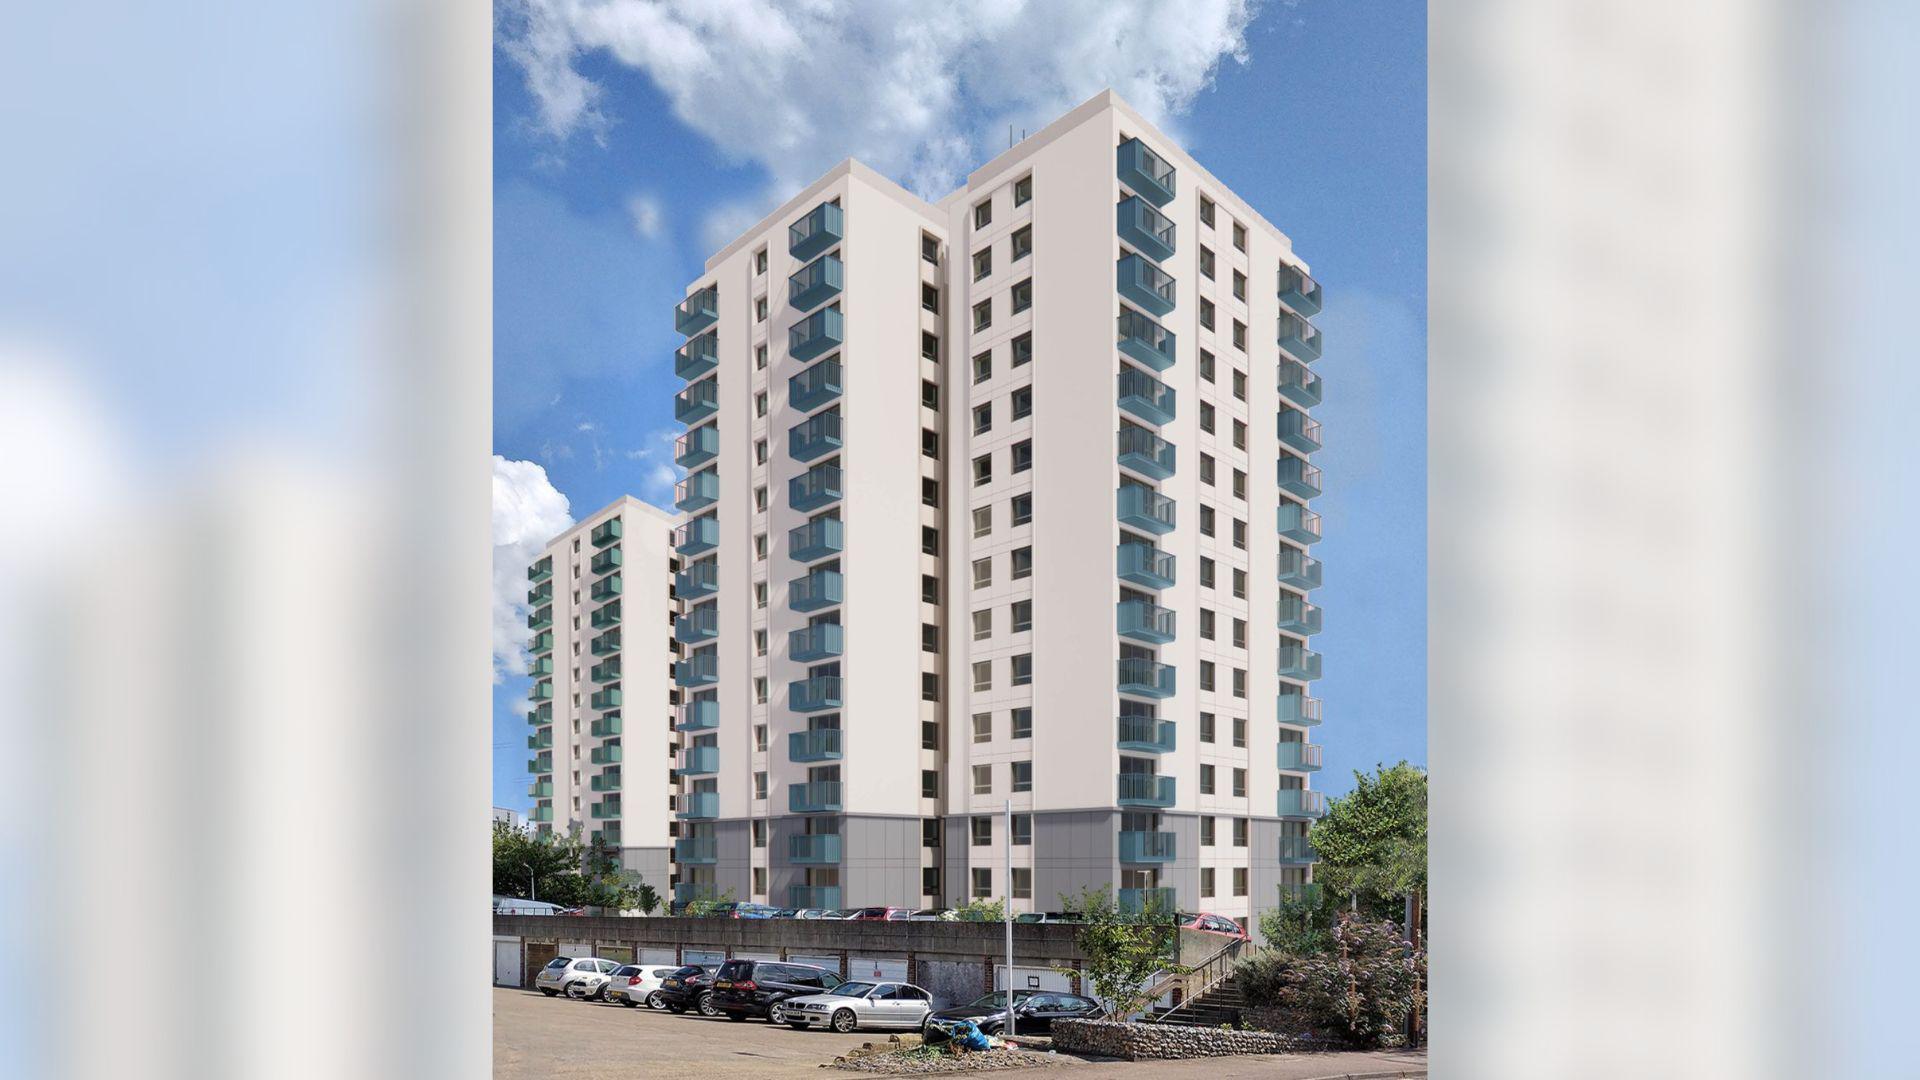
column 540, row 789
column 821, row 641
column 1145, row 229
column 1145, row 173
column 816, row 540
column 607, row 588
column 699, row 805
column 1142, row 620
column 698, row 491
column 815, row 437
column 605, row 699
column 815, row 896
column 815, row 694
column 815, row 590
column 1299, row 569
column 815, row 283
column 1296, row 477
column 698, row 536
column 814, row 488
column 698, row 669
column 1298, row 291
column 1146, row 734
column 541, row 570
column 697, row 580
column 1300, row 663
column 1159, row 902
column 814, row 234
column 698, row 311
column 607, row 727
column 695, row 850
column 1145, row 565
column 1145, row 285
column 1298, row 710
column 702, row 715
column 1145, row 396
column 1144, row 340
column 542, row 691
column 698, row 356
column 1141, row 451
column 1299, row 756
column 603, row 782
column 1141, row 507
column 697, row 447
column 607, row 755
column 1296, row 851
column 1301, row 803
column 815, row 386
column 687, row 892
column 1145, row 678
column 813, row 849
column 606, row 615
column 540, row 593
column 819, row 744
column 1298, row 385
column 697, row 624
column 1299, row 431
column 700, row 761
column 540, row 666
column 1145, row 789
column 1297, row 616
column 606, row 672
column 541, row 619
column 697, row 402
column 540, row 740
column 1299, row 524
column 816, row 334
column 543, row 813
column 1147, row 847
column 542, row 642
column 1299, row 338
column 814, row 797
column 607, row 559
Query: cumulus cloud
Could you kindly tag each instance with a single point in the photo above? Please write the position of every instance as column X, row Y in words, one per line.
column 658, row 473
column 528, row 511
column 646, row 215
column 921, row 92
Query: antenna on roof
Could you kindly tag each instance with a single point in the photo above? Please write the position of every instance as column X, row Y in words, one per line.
column 1009, row 136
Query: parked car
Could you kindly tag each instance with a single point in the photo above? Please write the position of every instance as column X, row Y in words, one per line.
column 930, row 915
column 860, row 1005
column 879, row 914
column 690, row 987
column 581, row 977
column 1046, row 917
column 785, row 912
column 744, row 988
column 1034, row 1011
column 740, row 910
column 1209, row 923
column 636, row 984
column 818, row 913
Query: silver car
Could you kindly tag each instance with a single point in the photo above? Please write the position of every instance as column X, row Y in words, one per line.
column 577, row 977
column 860, row 1005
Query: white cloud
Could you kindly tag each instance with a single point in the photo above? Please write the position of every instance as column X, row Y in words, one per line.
column 528, row 511
column 647, row 216
column 796, row 87
column 659, row 474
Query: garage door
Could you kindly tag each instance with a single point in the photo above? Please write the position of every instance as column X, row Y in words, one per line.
column 756, row 956
column 704, row 956
column 538, row 953
column 506, row 962
column 877, row 968
column 1032, row 978
column 619, row 954
column 830, row 962
column 951, row 982
column 575, row 949
column 658, row 956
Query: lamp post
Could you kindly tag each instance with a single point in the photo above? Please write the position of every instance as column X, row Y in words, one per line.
column 1007, row 910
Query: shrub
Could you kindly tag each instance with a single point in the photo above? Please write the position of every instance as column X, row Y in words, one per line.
column 1363, row 989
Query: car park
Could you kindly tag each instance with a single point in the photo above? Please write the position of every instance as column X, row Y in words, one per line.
column 854, row 1005
column 690, row 987
column 580, row 977
column 637, row 984
column 743, row 988
column 1034, row 1011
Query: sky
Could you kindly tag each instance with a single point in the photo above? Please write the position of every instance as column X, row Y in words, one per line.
column 633, row 138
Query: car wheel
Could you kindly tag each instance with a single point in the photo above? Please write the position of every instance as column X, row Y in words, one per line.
column 629, row 1002
column 655, row 1001
column 777, row 1013
column 843, row 1021
column 706, row 1005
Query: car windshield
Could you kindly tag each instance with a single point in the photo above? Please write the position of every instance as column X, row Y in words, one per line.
column 560, row 961
column 1028, row 917
column 998, row 999
column 852, row 989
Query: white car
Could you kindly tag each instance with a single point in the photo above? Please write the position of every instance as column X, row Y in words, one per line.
column 637, row 984
column 860, row 1005
column 577, row 977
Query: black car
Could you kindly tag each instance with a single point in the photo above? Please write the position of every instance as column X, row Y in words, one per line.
column 744, row 988
column 1034, row 1011
column 690, row 987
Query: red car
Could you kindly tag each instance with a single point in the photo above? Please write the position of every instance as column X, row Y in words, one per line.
column 1209, row 923
column 880, row 914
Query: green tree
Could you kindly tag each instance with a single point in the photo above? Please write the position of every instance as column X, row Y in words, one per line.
column 1302, row 924
column 1372, row 844
column 646, row 898
column 1123, row 950
column 981, row 911
column 1364, row 988
column 535, row 867
column 704, row 906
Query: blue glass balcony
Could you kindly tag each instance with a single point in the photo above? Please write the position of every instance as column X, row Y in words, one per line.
column 1299, row 338
column 1145, row 678
column 1143, row 621
column 1299, row 757
column 1157, row 902
column 815, row 386
column 607, row 588
column 607, row 560
column 1145, row 173
column 1144, row 340
column 1145, row 453
column 700, row 761
column 815, row 437
column 541, row 789
column 819, row 693
column 1301, row 803
column 1298, row 291
column 697, row 402
column 814, row 896
column 815, row 590
column 1296, row 851
column 1295, row 476
column 699, row 669
column 1145, row 229
column 1145, row 789
column 697, row 536
column 816, row 540
column 1298, row 662
column 542, row 691
column 699, row 805
column 1297, row 616
column 698, row 311
column 1298, row 385
column 1144, row 565
column 606, row 532
column 605, row 699
column 697, row 580
column 606, row 672
column 1141, row 507
column 701, row 715
column 541, row 570
column 697, row 447
column 1145, row 285
column 1146, row 734
column 814, row 488
column 607, row 727
column 815, row 283
column 698, row 356
column 1299, row 524
column 820, row 744
column 606, row 615
column 816, row 334
column 818, row 231
column 1299, row 431
column 821, row 641
column 1298, row 569
column 1147, row 847
column 687, row 892
column 1145, row 396
column 814, row 797
column 697, row 625
column 1298, row 710
column 813, row 849
column 695, row 851
column 698, row 491
column 540, row 593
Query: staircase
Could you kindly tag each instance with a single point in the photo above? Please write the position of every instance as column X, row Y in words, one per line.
column 1220, row 1005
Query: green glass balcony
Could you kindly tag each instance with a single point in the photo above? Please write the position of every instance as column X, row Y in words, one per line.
column 816, row 335
column 700, row 715
column 541, row 571
column 697, row 537
column 1298, row 710
column 607, row 588
column 605, row 699
column 818, row 744
column 815, row 896
column 698, row 356
column 1299, row 756
column 1299, row 662
column 1145, row 396
column 700, row 761
column 821, row 641
column 1145, row 678
column 606, row 560
column 542, row 691
column 698, row 311
column 540, row 740
column 541, row 789
column 1299, row 338
column 1146, row 173
column 540, row 594
column 606, row 808
column 814, row 488
column 815, row 590
column 1141, row 507
column 606, row 615
column 1144, row 621
column 1299, row 524
column 1145, row 565
column 815, row 283
column 697, row 580
column 1298, row 431
column 1298, row 291
column 1296, row 851
column 813, row 849
column 816, row 694
column 697, row 447
column 540, row 619
column 603, row 782
column 814, row 797
column 606, row 643
column 542, row 642
column 698, row 491
column 816, row 540
column 815, row 234
column 1157, row 902
column 815, row 386
column 1297, row 616
column 1143, row 452
column 1296, row 477
column 1145, row 789
column 1144, row 340
column 606, row 755
column 1301, row 803
column 1145, row 285
column 1298, row 385
column 607, row 727
column 1145, row 229
column 697, row 625
column 1147, row 847
column 695, row 850
column 541, row 715
column 699, row 804
column 541, row 764
column 686, row 892
column 607, row 532
column 697, row 402
column 1299, row 569
column 606, row 672
column 699, row 669
column 540, row 666
column 542, row 813
column 814, row 438
column 1141, row 734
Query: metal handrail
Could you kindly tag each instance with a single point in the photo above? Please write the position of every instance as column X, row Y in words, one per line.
column 1209, row 974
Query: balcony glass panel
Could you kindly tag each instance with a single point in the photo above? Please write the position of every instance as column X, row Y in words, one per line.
column 697, row 447
column 541, row 789
column 1297, row 477
column 815, row 896
column 1299, row 431
column 542, row 691
column 1299, row 338
column 815, row 386
column 698, row 669
column 543, row 813
column 697, row 402
column 541, row 666
column 1145, row 285
column 1160, row 902
column 1145, row 678
column 817, row 232
column 1298, row 662
column 607, row 755
column 816, row 540
column 1145, row 566
column 1145, row 396
column 607, row 532
column 607, row 615
column 1144, row 621
column 1298, row 291
column 814, row 797
column 1146, row 173
column 607, row 672
column 1296, row 851
column 703, row 715
column 604, row 782
column 1141, row 507
column 697, row 580
column 699, row 804
column 1298, row 385
column 815, row 590
column 1146, row 734
column 1299, row 569
column 811, row 849
column 1145, row 789
column 1301, row 803
column 1147, row 847
column 697, row 624
column 815, row 437
column 814, row 488
column 606, row 727
column 607, row 588
column 698, row 356
column 1144, row 340
column 698, row 311
column 815, row 694
column 1145, row 453
column 698, row 536
column 1299, row 757
column 1297, row 616
column 698, row 491
column 818, row 745
column 700, row 761
column 608, row 559
column 815, row 283
column 1145, row 229
column 541, row 570
column 1297, row 710
column 1299, row 524
column 691, row 850
column 821, row 641
column 816, row 334
column 605, row 699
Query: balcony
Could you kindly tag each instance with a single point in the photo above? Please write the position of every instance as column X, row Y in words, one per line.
column 606, row 559
column 604, row 782
column 605, row 699
column 607, row 532
column 1299, row 569
column 1145, row 229
column 540, row 789
column 698, row 536
column 541, row 619
column 1299, row 432
column 1147, row 847
column 606, row 615
column 1141, row 507
column 814, row 896
column 702, row 715
column 1145, row 173
column 1297, row 616
column 816, row 694
column 1299, row 524
column 814, row 488
column 687, row 892
column 814, row 234
column 1301, row 803
column 1144, row 565
column 607, row 672
column 542, row 642
column 698, row 311
column 819, row 744
column 541, row 764
column 1145, row 396
column 1144, row 452
column 607, row 755
column 1298, row 291
column 607, row 727
column 1144, row 340
column 815, row 590
column 541, row 570
column 541, row 715
column 816, row 540
column 697, row 580
column 815, row 283
column 697, row 402
column 1298, row 385
column 813, row 849
column 697, row 357
column 698, row 491
column 542, row 691
column 1299, row 756
column 610, row 835
column 1147, row 901
column 1145, row 678
column 541, row 740
column 814, row 797
column 1145, row 621
column 1296, row 851
column 1146, row 734
column 1145, row 285
column 606, row 588
column 1298, row 710
column 821, row 641
column 815, row 437
column 1296, row 477
column 697, row 447
column 700, row 761
column 540, row 594
column 697, row 625
column 699, row 669
column 695, row 851
column 699, row 805
column 1299, row 338
column 815, row 386
column 540, row 666
column 542, row 813
column 816, row 334
column 1298, row 662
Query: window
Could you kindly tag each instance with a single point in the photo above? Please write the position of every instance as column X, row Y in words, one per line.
column 982, row 882
column 1206, row 624
column 1240, row 731
column 930, row 297
column 1206, row 779
column 929, row 735
column 980, row 829
column 930, row 443
column 982, row 727
column 1206, row 675
column 983, row 367
column 760, row 261
column 1239, row 285
column 929, row 686
column 1022, row 349
column 1022, row 616
column 1022, row 402
column 1206, row 521
column 982, row 521
column 1022, row 242
column 1023, row 190
column 930, row 833
column 930, row 248
column 1239, row 236
column 760, row 499
column 1206, row 263
column 1239, row 783
column 1240, row 434
column 760, row 690
column 1022, row 776
column 983, row 314
column 983, row 624
column 983, row 214
column 929, row 785
column 1023, row 670
column 1022, row 563
column 1239, row 483
column 759, row 881
column 1206, row 365
column 929, row 589
column 1206, row 831
column 929, row 346
column 1206, row 881
column 1022, row 880
column 760, row 452
column 1023, row 296
column 930, row 492
column 1239, row 881
column 1206, row 211
column 982, row 785
column 1239, row 534
column 929, row 638
column 760, row 594
column 760, row 646
column 760, row 358
column 1206, row 572
column 983, row 470
column 930, row 881
column 1240, row 584
column 760, row 546
column 759, row 832
column 760, row 310
column 930, row 539
column 1239, row 832
column 760, row 790
column 1206, row 469
column 1021, row 723
column 1240, row 335
column 760, row 403
column 1023, row 455
column 982, row 675
column 983, row 418
column 1023, row 508
column 983, row 572
column 1240, row 385
column 1206, row 313
column 982, row 263
column 1239, row 633
column 1239, row 682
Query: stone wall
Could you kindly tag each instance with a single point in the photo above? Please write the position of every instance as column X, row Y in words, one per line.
column 1137, row 1042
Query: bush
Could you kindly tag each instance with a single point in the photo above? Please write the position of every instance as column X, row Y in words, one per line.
column 1362, row 990
column 1263, row 979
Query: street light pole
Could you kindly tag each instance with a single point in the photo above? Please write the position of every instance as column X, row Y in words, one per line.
column 1007, row 911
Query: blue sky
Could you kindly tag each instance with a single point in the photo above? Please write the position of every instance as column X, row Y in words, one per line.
column 630, row 144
